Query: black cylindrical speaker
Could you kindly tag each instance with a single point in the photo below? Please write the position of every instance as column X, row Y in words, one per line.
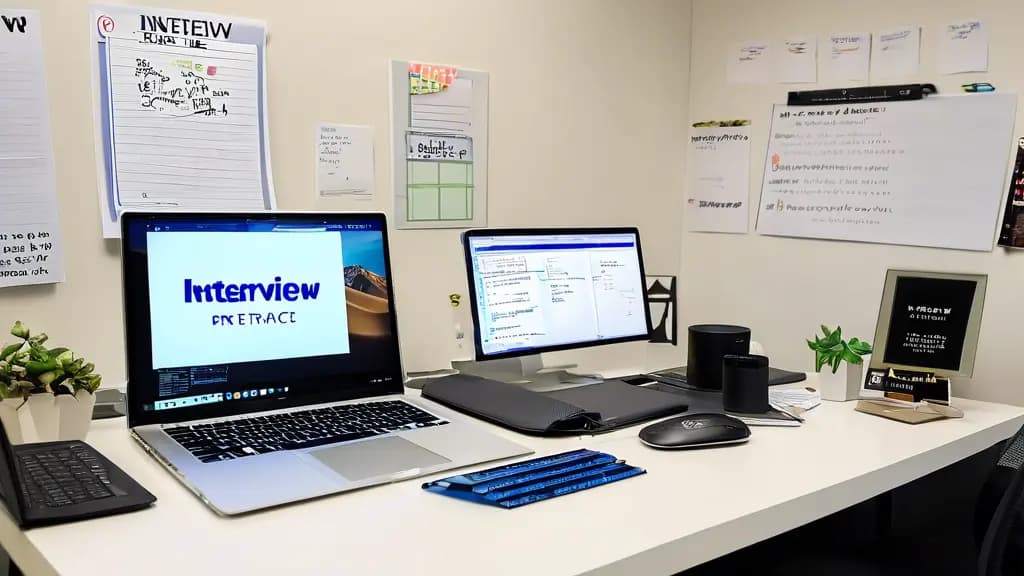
column 706, row 346
column 745, row 384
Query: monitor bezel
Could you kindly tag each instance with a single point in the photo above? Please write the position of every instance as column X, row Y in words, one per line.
column 138, row 336
column 490, row 232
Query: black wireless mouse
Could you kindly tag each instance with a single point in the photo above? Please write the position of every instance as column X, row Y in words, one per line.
column 694, row 431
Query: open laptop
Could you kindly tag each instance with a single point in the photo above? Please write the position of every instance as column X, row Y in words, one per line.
column 263, row 359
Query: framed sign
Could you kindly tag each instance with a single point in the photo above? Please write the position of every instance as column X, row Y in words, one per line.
column 929, row 322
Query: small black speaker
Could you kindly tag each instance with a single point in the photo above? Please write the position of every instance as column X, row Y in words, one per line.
column 707, row 344
column 745, row 384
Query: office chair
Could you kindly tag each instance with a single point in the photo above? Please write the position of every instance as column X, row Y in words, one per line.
column 1002, row 546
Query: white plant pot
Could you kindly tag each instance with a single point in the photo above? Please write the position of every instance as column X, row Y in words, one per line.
column 75, row 415
column 844, row 385
column 10, row 417
column 45, row 418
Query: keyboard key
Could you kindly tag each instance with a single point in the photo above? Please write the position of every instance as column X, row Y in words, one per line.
column 218, row 441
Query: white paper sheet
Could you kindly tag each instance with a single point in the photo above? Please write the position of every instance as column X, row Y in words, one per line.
column 30, row 245
column 749, row 63
column 915, row 173
column 896, row 53
column 718, row 166
column 344, row 161
column 797, row 60
column 963, row 47
column 849, row 57
column 182, row 115
column 450, row 110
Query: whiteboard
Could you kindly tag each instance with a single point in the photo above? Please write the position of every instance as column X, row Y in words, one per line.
column 920, row 173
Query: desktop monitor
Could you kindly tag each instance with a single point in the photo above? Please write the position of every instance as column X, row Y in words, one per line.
column 541, row 290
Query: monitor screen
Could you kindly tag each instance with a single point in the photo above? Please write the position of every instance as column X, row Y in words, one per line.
column 235, row 313
column 543, row 290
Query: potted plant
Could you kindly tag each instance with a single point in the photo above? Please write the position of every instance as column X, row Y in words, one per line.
column 56, row 386
column 839, row 364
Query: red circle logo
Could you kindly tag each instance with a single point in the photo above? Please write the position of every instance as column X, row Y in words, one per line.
column 105, row 25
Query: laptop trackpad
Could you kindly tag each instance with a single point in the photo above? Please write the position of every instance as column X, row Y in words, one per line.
column 378, row 457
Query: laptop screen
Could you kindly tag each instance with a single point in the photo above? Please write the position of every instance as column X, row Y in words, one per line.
column 229, row 314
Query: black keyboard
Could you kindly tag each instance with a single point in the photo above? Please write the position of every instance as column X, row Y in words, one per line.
column 231, row 439
column 65, row 476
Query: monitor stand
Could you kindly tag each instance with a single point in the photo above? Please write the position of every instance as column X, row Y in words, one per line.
column 528, row 371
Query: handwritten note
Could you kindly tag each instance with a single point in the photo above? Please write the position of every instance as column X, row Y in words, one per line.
column 888, row 172
column 30, row 247
column 896, row 53
column 182, row 100
column 749, row 64
column 718, row 192
column 849, row 57
column 963, row 47
column 439, row 147
column 798, row 60
column 344, row 161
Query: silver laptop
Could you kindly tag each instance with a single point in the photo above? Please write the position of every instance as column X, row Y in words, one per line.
column 263, row 359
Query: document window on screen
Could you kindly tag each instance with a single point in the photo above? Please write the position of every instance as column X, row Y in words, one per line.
column 244, row 308
column 556, row 290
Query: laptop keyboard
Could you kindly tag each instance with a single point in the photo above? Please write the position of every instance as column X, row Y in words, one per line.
column 239, row 438
column 64, row 476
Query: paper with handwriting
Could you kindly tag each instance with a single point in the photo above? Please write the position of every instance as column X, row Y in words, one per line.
column 182, row 103
column 30, row 244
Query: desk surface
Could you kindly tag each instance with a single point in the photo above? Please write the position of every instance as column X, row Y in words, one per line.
column 692, row 506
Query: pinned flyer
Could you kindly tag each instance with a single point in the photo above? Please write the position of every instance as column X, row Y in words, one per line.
column 181, row 117
column 963, row 47
column 719, row 177
column 439, row 145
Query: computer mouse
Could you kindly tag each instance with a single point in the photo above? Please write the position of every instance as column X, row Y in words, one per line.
column 695, row 430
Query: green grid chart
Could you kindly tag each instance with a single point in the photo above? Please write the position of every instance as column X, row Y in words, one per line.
column 439, row 190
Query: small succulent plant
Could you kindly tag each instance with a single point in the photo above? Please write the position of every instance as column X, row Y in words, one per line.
column 832, row 349
column 28, row 367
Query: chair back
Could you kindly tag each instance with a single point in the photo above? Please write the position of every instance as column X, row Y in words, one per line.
column 1002, row 548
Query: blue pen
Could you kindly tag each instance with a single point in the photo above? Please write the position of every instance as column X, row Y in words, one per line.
column 978, row 87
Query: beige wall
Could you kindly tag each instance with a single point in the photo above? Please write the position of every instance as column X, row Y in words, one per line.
column 588, row 105
column 783, row 288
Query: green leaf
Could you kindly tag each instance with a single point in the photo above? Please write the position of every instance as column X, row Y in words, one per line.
column 10, row 349
column 54, row 352
column 19, row 330
column 826, row 331
column 851, row 356
column 860, row 347
column 835, row 363
column 47, row 378
column 38, row 352
column 811, row 345
column 36, row 368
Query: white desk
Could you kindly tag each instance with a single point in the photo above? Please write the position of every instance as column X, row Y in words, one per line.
column 691, row 507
